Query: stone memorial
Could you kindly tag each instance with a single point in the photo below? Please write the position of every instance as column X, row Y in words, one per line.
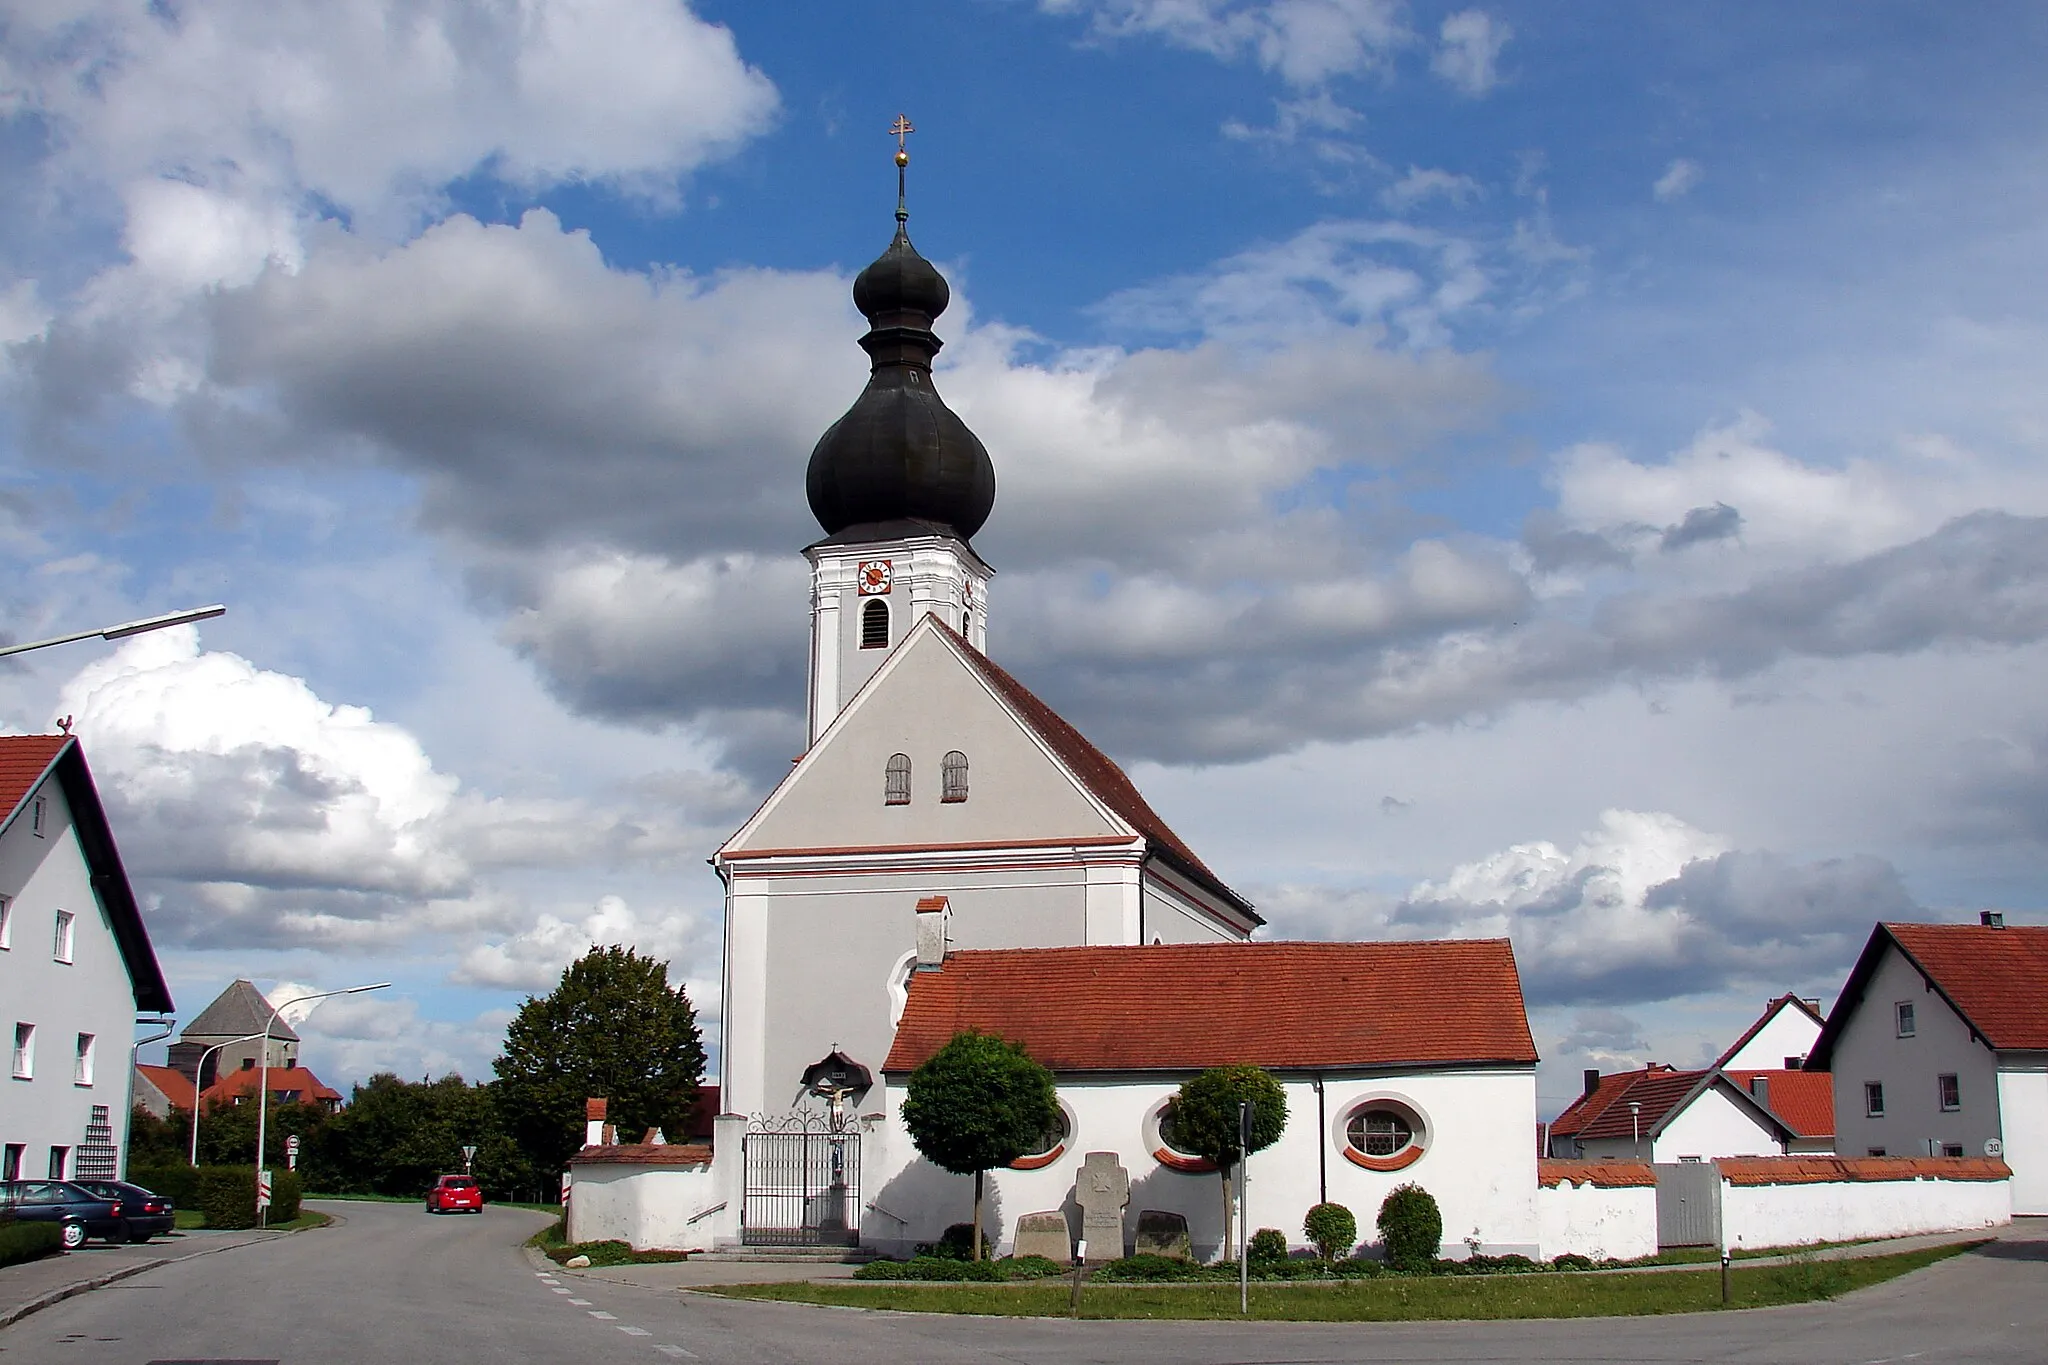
column 1163, row 1234
column 1102, row 1189
column 1045, row 1234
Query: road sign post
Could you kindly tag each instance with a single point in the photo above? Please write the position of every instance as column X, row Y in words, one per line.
column 291, row 1152
column 262, row 1198
column 468, row 1159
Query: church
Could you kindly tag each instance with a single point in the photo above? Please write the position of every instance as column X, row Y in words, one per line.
column 949, row 853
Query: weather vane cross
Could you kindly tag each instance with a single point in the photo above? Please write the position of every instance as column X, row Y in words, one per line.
column 902, row 128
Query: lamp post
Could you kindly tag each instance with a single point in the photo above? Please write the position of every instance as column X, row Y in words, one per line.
column 122, row 631
column 1635, row 1125
column 197, row 1074
column 263, row 1082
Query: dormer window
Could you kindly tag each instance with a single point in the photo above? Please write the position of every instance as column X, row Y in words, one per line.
column 35, row 818
column 896, row 781
column 874, row 624
column 953, row 777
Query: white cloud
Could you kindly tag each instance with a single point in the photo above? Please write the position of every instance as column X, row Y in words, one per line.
column 1420, row 185
column 1468, row 58
column 1679, row 179
column 1305, row 41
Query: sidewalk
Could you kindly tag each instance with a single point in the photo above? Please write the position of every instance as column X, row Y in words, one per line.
column 28, row 1288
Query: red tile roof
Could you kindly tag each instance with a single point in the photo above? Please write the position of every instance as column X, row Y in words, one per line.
column 1815, row 1170
column 645, row 1154
column 1096, row 770
column 1786, row 1001
column 1996, row 978
column 23, row 761
column 1608, row 1175
column 1605, row 1112
column 1182, row 1007
column 1804, row 1099
column 171, row 1082
column 242, row 1083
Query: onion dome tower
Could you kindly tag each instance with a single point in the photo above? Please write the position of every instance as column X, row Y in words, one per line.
column 899, row 484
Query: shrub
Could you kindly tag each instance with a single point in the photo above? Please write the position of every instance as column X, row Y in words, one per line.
column 957, row 1244
column 1332, row 1229
column 1029, row 1267
column 1356, row 1268
column 28, row 1241
column 1571, row 1260
column 1266, row 1246
column 1146, row 1267
column 179, row 1183
column 226, row 1195
column 1411, row 1227
column 930, row 1268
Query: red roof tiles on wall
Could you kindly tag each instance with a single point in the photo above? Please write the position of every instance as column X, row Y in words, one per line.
column 1607, row 1175
column 1190, row 1006
column 1816, row 1170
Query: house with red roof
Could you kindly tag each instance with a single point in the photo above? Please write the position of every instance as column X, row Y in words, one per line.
column 1741, row 1106
column 1939, row 1047
column 76, row 967
column 288, row 1085
column 160, row 1089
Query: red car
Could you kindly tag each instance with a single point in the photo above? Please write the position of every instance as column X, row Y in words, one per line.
column 455, row 1194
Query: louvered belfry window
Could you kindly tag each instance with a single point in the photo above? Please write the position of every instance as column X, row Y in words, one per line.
column 896, row 781
column 953, row 777
column 874, row 624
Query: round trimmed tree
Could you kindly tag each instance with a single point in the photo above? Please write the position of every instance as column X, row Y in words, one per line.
column 1204, row 1116
column 979, row 1102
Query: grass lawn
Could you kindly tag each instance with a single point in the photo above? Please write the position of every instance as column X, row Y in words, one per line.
column 190, row 1220
column 1391, row 1299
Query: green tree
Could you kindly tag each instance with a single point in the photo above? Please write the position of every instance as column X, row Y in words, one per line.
column 1411, row 1227
column 396, row 1136
column 1204, row 1119
column 612, row 1028
column 979, row 1102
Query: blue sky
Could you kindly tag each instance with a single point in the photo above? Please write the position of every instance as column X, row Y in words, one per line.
column 1487, row 470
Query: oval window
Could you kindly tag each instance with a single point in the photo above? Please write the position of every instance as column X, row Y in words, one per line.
column 1051, row 1145
column 1380, row 1132
column 1169, row 1148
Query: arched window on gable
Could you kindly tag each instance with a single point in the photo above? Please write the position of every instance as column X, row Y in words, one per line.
column 874, row 624
column 896, row 781
column 953, row 777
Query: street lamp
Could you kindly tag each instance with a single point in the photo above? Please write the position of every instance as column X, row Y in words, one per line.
column 124, row 630
column 263, row 1081
column 198, row 1074
column 1635, row 1124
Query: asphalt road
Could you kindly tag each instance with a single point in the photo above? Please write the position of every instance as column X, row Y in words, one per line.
column 393, row 1284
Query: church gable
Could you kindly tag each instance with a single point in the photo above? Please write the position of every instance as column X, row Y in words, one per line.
column 927, row 702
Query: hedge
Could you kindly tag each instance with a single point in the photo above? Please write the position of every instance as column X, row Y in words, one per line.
column 28, row 1241
column 226, row 1195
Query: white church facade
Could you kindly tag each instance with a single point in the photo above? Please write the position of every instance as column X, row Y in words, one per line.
column 949, row 853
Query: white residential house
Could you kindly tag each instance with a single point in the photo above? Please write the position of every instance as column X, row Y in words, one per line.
column 76, row 968
column 1939, row 1047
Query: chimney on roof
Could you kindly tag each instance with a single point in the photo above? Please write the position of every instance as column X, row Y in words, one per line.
column 1760, row 1090
column 1991, row 919
column 593, row 1122
column 934, row 919
column 1592, row 1080
column 1811, row 1002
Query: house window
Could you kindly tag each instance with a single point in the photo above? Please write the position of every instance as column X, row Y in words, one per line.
column 35, row 817
column 1794, row 1063
column 10, row 1160
column 66, row 925
column 24, row 1052
column 6, row 922
column 1951, row 1092
column 1905, row 1013
column 1874, row 1151
column 953, row 777
column 1692, row 1160
column 81, row 1064
column 1873, row 1099
column 60, row 1162
column 896, row 781
column 874, row 624
column 1951, row 1149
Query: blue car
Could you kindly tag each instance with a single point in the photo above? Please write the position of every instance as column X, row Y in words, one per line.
column 80, row 1212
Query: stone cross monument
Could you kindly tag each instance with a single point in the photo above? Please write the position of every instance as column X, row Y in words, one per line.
column 1102, row 1189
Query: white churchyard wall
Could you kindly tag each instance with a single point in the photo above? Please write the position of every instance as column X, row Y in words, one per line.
column 1476, row 1160
column 1586, row 1212
column 1774, row 1215
column 669, row 1207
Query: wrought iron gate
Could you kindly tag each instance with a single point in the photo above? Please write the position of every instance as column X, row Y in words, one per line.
column 1688, row 1204
column 803, row 1183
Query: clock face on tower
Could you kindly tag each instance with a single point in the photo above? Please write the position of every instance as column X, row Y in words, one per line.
column 875, row 577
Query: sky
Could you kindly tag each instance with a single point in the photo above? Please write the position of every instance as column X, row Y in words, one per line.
column 1485, row 470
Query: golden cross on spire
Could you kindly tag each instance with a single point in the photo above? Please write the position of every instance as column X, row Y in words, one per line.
column 902, row 127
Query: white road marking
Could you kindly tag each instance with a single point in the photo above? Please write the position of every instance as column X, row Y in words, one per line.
column 600, row 1314
column 557, row 1289
column 677, row 1351
column 635, row 1331
column 581, row 1303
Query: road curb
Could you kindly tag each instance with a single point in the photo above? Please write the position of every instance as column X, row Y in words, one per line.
column 10, row 1316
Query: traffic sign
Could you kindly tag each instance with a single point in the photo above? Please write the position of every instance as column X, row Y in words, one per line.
column 263, row 1189
column 468, row 1156
column 291, row 1152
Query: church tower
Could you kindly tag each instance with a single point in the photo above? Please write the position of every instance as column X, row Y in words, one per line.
column 899, row 485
